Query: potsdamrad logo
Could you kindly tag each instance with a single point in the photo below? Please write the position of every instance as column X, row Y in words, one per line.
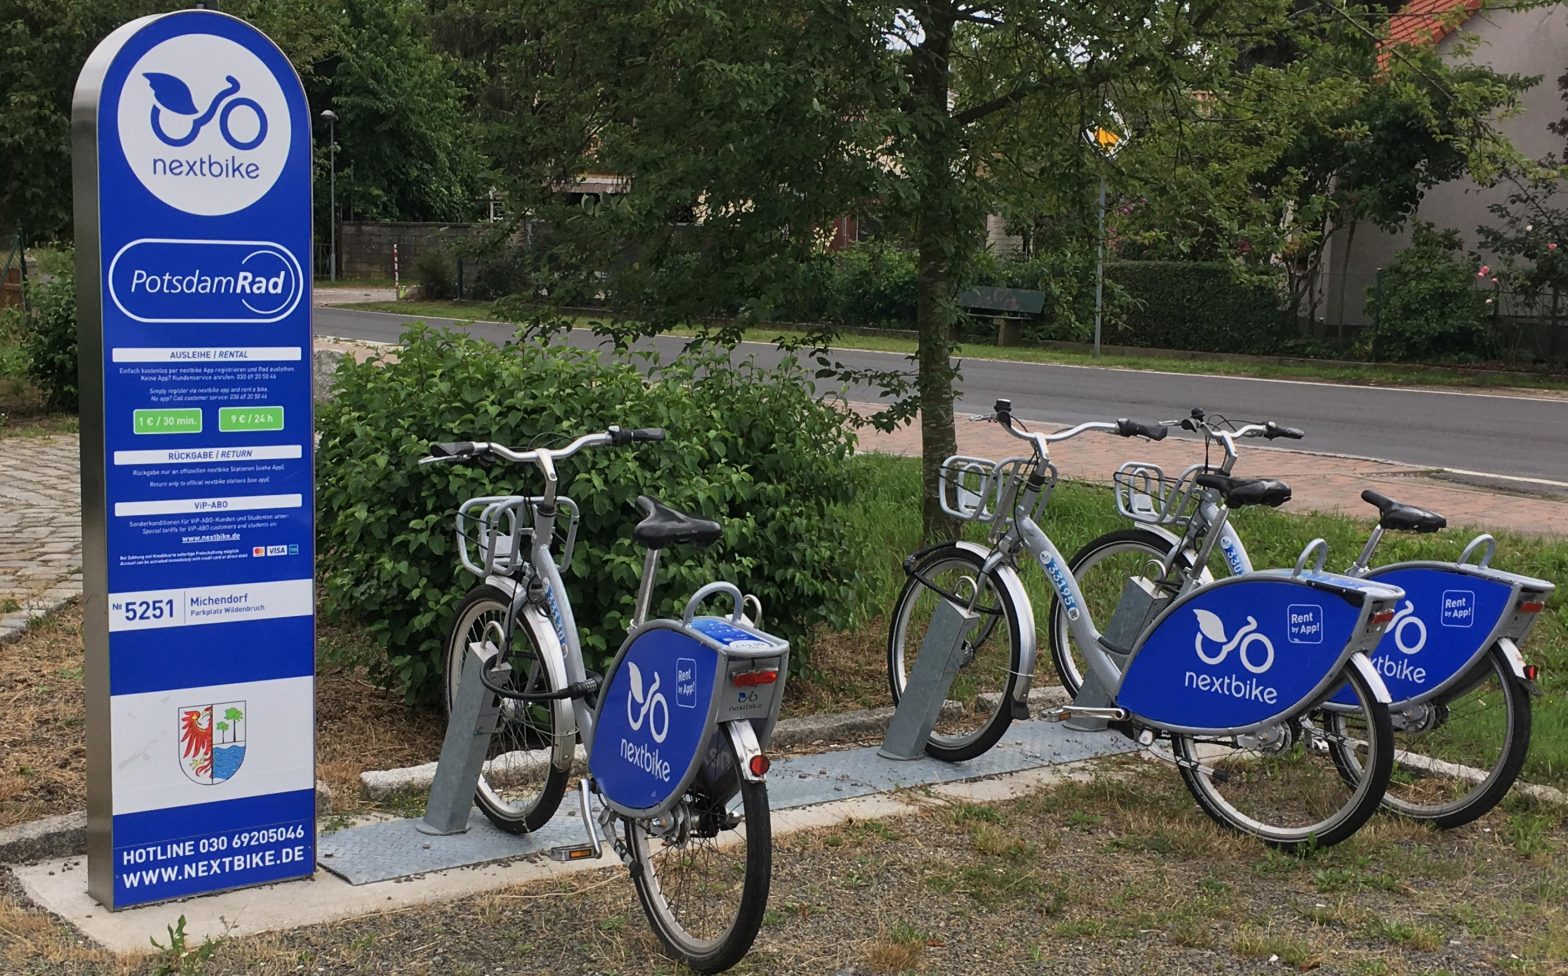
column 204, row 124
column 171, row 281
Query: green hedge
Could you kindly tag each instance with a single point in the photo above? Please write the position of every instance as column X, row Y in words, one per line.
column 1200, row 305
column 49, row 339
column 750, row 447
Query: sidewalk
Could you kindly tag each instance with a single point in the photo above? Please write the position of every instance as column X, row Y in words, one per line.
column 40, row 530
column 1319, row 482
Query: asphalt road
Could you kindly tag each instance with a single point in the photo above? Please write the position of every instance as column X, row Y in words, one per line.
column 1510, row 436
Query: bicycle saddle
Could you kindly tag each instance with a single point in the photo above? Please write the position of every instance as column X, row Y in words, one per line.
column 1240, row 492
column 664, row 526
column 1403, row 518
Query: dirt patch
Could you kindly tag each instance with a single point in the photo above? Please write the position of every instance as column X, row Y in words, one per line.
column 42, row 751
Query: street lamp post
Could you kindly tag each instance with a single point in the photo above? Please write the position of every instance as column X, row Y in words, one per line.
column 331, row 118
column 1107, row 138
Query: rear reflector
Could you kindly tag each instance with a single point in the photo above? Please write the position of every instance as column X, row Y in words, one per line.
column 760, row 765
column 1532, row 606
column 1382, row 617
column 1530, row 671
column 750, row 679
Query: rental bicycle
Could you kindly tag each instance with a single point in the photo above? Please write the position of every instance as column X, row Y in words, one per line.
column 1459, row 685
column 1228, row 672
column 674, row 731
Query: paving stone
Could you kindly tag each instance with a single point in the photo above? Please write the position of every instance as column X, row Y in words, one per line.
column 41, row 544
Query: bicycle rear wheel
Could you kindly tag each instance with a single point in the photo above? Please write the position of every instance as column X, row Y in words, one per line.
column 1281, row 785
column 1454, row 758
column 702, row 870
column 991, row 652
column 519, row 789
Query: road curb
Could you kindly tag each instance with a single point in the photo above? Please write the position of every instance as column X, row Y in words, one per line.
column 65, row 591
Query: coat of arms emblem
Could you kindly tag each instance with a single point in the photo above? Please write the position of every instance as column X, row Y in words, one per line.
column 212, row 741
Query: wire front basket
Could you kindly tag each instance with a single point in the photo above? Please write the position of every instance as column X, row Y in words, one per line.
column 1145, row 493
column 978, row 489
column 495, row 533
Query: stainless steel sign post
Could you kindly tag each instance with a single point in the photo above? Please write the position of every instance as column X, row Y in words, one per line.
column 191, row 164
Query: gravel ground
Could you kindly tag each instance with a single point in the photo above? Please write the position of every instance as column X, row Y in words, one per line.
column 1121, row 875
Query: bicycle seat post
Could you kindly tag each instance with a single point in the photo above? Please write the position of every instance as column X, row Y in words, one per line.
column 1359, row 567
column 650, row 569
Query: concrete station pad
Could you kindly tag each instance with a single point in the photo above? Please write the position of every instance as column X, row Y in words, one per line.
column 388, row 865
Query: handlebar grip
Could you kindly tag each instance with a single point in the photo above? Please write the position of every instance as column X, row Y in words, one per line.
column 1279, row 430
column 1383, row 502
column 621, row 436
column 1132, row 428
column 446, row 449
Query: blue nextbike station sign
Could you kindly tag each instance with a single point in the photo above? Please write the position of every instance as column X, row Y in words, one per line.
column 193, row 206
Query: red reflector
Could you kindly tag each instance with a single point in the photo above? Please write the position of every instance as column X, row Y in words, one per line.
column 760, row 765
column 1532, row 606
column 1530, row 671
column 1382, row 617
column 750, row 679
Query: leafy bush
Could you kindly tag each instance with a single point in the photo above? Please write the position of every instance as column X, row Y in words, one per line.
column 1203, row 305
column 1429, row 308
column 752, row 448
column 49, row 339
column 436, row 274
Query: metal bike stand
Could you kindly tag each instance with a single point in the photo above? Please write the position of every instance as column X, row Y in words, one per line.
column 926, row 690
column 468, row 732
column 1138, row 605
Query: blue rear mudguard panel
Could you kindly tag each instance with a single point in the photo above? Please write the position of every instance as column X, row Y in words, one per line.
column 1450, row 617
column 1250, row 650
column 657, row 724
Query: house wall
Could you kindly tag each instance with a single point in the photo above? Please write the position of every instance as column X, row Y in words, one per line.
column 1527, row 42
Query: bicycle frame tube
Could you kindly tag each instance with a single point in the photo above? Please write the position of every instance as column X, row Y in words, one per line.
column 1084, row 631
column 558, row 608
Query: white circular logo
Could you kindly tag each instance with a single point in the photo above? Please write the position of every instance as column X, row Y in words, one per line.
column 204, row 125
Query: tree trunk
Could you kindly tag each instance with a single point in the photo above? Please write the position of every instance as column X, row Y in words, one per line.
column 937, row 244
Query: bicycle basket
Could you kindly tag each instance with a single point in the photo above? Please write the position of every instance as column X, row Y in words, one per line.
column 495, row 533
column 974, row 489
column 1145, row 493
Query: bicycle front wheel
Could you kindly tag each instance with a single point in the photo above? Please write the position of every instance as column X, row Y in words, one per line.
column 1102, row 568
column 519, row 789
column 702, row 870
column 1281, row 785
column 990, row 654
column 1454, row 758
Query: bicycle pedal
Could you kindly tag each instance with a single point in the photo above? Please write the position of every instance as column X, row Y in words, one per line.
column 575, row 852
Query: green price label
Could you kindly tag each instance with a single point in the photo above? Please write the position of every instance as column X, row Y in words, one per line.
column 184, row 420
column 234, row 420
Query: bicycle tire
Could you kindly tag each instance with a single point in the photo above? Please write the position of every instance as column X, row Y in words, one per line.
column 659, row 876
column 1415, row 778
column 1100, row 595
column 952, row 740
column 1201, row 768
column 519, row 787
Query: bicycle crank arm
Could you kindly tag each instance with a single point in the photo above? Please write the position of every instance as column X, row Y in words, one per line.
column 581, row 852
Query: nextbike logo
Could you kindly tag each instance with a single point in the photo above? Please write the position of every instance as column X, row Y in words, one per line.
column 1059, row 579
column 650, row 706
column 1254, row 650
column 204, row 124
column 170, row 281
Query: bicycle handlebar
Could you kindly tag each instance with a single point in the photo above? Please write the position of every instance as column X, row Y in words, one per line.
column 1126, row 428
column 464, row 451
